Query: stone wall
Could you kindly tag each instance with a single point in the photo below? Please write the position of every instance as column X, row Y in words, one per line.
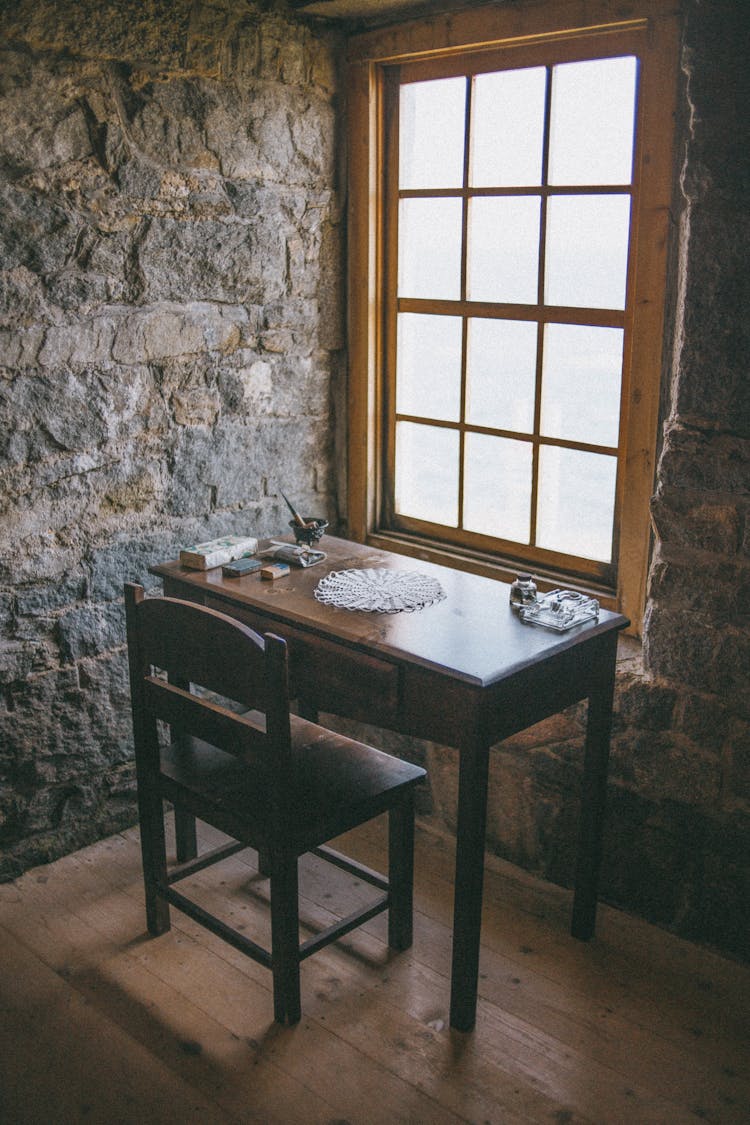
column 170, row 345
column 697, row 633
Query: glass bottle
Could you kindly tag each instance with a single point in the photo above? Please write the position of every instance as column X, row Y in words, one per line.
column 522, row 591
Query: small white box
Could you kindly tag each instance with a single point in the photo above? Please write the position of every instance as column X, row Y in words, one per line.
column 216, row 552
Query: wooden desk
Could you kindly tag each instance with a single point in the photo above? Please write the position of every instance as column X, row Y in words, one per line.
column 464, row 672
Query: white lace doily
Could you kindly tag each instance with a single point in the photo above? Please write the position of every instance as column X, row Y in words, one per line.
column 378, row 590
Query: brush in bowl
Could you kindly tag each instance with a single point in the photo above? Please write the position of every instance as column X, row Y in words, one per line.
column 311, row 533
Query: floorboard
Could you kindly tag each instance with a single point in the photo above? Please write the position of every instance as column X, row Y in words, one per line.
column 101, row 1023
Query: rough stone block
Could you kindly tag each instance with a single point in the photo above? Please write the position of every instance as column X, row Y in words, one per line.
column 732, row 663
column 242, row 59
column 713, row 387
column 221, row 468
column 196, row 407
column 78, row 345
column 127, row 558
column 41, row 599
column 661, row 766
column 20, row 348
column 716, row 908
column 674, row 652
column 90, row 630
column 77, row 489
column 7, row 606
column 57, row 806
column 212, row 30
column 63, row 405
column 45, row 126
column 301, row 385
column 703, row 658
column 326, row 51
column 139, row 491
column 642, row 703
column 215, row 261
column 166, row 121
column 738, row 742
column 533, row 810
column 158, row 334
column 18, row 661
column 51, row 415
column 285, row 137
column 704, row 719
column 250, row 386
column 36, row 233
column 698, row 522
column 331, row 329
column 172, row 331
column 705, row 592
column 702, row 460
column 651, row 855
column 282, row 56
column 145, row 31
column 567, row 725
column 714, row 60
column 12, row 813
column 22, row 302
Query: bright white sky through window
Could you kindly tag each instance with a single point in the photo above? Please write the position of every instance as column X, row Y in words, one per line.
column 542, row 220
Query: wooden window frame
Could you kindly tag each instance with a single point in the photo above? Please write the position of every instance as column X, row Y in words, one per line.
column 651, row 31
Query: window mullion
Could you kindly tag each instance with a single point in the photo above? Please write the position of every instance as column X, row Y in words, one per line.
column 464, row 274
column 386, row 403
column 540, row 301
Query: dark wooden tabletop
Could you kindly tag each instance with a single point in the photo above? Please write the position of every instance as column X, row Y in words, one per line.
column 472, row 635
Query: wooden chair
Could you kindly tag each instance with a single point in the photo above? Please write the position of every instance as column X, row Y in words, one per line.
column 268, row 779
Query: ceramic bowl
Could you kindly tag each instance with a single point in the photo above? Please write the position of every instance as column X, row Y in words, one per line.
column 313, row 533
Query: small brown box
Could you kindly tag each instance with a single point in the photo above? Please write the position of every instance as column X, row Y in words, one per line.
column 274, row 570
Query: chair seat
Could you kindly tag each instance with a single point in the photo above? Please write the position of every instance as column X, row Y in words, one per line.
column 336, row 784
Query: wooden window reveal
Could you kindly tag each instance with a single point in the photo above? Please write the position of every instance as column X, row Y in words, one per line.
column 510, row 223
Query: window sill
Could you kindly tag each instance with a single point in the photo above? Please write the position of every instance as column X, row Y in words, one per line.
column 485, row 565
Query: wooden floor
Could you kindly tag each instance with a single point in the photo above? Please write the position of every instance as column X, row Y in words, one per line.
column 100, row 1023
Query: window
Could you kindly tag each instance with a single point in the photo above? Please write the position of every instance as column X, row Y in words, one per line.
column 509, row 229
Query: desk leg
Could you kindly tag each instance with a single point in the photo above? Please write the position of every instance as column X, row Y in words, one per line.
column 467, row 903
column 593, row 798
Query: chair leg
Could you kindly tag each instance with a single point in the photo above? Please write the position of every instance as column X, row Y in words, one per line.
column 401, row 872
column 154, row 855
column 285, row 939
column 185, row 836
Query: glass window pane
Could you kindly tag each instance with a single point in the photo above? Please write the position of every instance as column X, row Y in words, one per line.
column 592, row 122
column 428, row 370
column 587, row 250
column 501, row 373
column 576, row 502
column 429, row 248
column 427, row 473
column 431, row 134
column 508, row 128
column 504, row 249
column 581, row 378
column 497, row 487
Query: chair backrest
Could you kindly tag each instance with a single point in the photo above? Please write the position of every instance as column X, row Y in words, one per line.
column 200, row 648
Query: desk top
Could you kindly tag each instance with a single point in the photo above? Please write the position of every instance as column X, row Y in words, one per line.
column 473, row 635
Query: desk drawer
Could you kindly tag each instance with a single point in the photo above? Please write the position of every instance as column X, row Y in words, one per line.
column 331, row 676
